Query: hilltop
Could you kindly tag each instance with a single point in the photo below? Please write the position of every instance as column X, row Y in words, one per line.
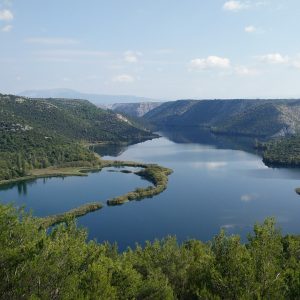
column 38, row 133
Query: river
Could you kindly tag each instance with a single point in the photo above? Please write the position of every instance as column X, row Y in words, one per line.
column 218, row 182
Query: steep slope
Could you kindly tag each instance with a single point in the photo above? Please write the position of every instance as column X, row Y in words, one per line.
column 74, row 119
column 169, row 113
column 260, row 120
column 38, row 133
column 135, row 110
column 240, row 117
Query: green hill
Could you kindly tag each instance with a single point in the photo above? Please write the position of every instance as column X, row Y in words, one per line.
column 37, row 133
column 76, row 119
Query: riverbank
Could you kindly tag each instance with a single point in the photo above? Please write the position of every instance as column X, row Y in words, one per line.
column 69, row 215
column 155, row 174
column 62, row 171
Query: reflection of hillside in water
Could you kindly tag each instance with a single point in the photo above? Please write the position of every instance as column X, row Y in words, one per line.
column 196, row 135
column 21, row 186
column 109, row 149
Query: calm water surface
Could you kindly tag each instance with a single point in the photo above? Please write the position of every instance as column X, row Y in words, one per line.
column 214, row 185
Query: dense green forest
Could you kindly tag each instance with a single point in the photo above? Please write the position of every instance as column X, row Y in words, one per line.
column 37, row 133
column 23, row 151
column 63, row 265
column 283, row 152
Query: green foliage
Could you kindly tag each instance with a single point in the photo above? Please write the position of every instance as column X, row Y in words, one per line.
column 283, row 152
column 36, row 133
column 154, row 173
column 23, row 151
column 61, row 264
column 73, row 119
column 267, row 251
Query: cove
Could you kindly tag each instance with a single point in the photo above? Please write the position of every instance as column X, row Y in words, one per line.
column 54, row 195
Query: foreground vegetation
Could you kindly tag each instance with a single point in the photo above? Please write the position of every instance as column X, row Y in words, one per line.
column 63, row 265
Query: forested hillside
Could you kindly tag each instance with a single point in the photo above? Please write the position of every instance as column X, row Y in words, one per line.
column 63, row 265
column 78, row 119
column 36, row 133
column 262, row 118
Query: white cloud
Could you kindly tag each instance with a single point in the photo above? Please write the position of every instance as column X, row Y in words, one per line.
column 274, row 58
column 51, row 41
column 245, row 71
column 132, row 57
column 250, row 29
column 7, row 28
column 233, row 5
column 236, row 5
column 211, row 62
column 6, row 15
column 124, row 78
column 296, row 64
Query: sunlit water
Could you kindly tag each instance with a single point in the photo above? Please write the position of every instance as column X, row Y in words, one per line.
column 212, row 187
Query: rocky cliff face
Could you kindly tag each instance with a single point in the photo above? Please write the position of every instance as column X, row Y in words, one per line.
column 136, row 110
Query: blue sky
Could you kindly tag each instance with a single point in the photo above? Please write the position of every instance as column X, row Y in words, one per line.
column 165, row 49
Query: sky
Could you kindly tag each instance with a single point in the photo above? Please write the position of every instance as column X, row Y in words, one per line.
column 162, row 49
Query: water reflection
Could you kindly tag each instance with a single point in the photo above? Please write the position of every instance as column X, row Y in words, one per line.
column 218, row 182
column 47, row 196
column 109, row 149
column 21, row 186
column 199, row 135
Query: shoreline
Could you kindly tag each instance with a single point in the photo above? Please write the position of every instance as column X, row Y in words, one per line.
column 155, row 174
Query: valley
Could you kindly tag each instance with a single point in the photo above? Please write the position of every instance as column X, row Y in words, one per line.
column 69, row 161
column 149, row 150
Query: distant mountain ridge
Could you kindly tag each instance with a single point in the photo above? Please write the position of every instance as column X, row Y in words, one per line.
column 97, row 99
column 264, row 118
